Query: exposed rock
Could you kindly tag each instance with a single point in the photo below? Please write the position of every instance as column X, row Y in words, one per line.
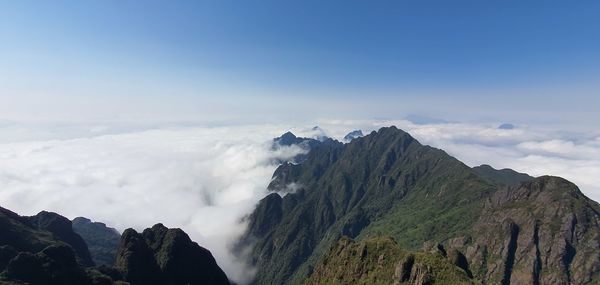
column 381, row 261
column 420, row 275
column 404, row 268
column 349, row 189
column 307, row 144
column 499, row 226
column 353, row 135
column 543, row 232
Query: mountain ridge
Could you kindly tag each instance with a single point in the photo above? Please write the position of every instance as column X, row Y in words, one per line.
column 388, row 184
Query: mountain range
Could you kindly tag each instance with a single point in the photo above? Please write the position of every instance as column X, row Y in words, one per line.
column 379, row 209
column 45, row 250
column 497, row 226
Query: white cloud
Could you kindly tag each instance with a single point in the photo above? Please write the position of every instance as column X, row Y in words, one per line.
column 204, row 179
column 533, row 150
column 200, row 179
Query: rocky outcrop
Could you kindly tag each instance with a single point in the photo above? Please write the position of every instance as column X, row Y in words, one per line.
column 102, row 241
column 382, row 261
column 289, row 139
column 356, row 188
column 542, row 232
column 498, row 226
column 166, row 256
column 353, row 135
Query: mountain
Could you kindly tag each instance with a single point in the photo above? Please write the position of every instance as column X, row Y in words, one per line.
column 166, row 256
column 504, row 176
column 382, row 261
column 33, row 234
column 542, row 232
column 307, row 144
column 506, row 126
column 353, row 135
column 44, row 250
column 387, row 184
column 102, row 241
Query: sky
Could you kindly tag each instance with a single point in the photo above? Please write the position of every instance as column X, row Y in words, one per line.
column 529, row 61
column 138, row 112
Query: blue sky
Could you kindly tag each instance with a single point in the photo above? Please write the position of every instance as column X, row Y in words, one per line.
column 522, row 60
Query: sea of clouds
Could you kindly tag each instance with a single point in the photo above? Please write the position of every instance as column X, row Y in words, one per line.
column 206, row 179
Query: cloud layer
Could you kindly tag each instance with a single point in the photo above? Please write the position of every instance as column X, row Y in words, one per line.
column 204, row 179
column 200, row 179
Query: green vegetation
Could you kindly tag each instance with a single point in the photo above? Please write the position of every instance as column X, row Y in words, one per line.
column 380, row 260
column 388, row 184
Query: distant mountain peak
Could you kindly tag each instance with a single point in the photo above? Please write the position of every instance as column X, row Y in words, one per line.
column 499, row 226
column 506, row 126
column 353, row 135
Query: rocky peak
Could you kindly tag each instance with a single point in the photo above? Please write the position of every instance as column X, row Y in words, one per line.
column 166, row 256
column 543, row 232
column 287, row 139
column 62, row 228
column 353, row 135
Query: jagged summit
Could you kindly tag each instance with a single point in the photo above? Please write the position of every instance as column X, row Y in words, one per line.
column 353, row 135
column 44, row 249
column 500, row 226
column 160, row 255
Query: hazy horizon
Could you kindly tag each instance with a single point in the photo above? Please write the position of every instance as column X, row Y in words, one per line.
column 113, row 109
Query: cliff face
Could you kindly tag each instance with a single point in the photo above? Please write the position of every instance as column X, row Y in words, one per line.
column 166, row 256
column 540, row 231
column 382, row 261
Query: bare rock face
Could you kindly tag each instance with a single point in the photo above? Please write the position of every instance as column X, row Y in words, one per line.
column 381, row 261
column 166, row 256
column 542, row 232
column 420, row 275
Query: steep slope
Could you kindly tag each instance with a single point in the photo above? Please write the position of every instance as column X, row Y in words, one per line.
column 33, row 234
column 289, row 139
column 102, row 241
column 542, row 232
column 43, row 250
column 166, row 256
column 387, row 184
column 357, row 188
column 382, row 261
